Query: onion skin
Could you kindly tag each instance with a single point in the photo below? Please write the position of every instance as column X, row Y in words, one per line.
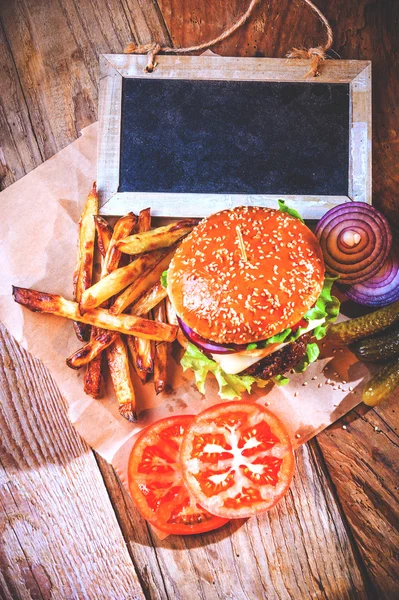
column 355, row 239
column 381, row 289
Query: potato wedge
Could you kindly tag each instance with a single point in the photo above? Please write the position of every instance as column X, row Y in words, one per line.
column 99, row 317
column 93, row 376
column 161, row 237
column 104, row 234
column 144, row 223
column 82, row 278
column 150, row 299
column 141, row 353
column 119, row 369
column 141, row 285
column 118, row 280
column 171, row 315
column 172, row 319
column 130, row 341
column 122, row 228
column 161, row 355
column 100, row 339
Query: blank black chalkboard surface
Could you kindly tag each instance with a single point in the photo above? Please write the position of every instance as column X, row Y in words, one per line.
column 200, row 134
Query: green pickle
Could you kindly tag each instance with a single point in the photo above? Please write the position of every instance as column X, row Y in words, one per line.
column 378, row 348
column 381, row 386
column 361, row 327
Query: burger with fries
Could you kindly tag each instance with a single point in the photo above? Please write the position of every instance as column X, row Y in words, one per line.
column 243, row 291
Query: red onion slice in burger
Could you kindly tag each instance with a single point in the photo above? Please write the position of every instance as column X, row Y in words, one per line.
column 355, row 239
column 208, row 346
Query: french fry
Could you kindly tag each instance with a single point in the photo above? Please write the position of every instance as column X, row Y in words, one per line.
column 171, row 315
column 120, row 374
column 122, row 228
column 161, row 353
column 104, row 234
column 141, row 352
column 118, row 280
column 161, row 237
column 93, row 377
column 99, row 317
column 150, row 299
column 144, row 223
column 172, row 319
column 101, row 338
column 82, row 278
column 141, row 285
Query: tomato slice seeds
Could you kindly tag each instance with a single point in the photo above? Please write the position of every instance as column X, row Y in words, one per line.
column 237, row 459
column 156, row 483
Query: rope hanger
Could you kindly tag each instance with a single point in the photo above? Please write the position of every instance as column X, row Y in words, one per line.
column 316, row 55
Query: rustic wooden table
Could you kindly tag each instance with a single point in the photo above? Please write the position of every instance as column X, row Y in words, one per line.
column 68, row 529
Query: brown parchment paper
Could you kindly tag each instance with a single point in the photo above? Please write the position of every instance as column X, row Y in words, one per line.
column 38, row 249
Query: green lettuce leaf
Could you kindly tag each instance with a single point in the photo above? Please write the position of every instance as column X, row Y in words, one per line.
column 280, row 380
column 252, row 346
column 230, row 386
column 290, row 211
column 312, row 353
column 164, row 279
column 279, row 338
column 326, row 307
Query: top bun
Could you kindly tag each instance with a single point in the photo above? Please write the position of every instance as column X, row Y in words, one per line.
column 228, row 300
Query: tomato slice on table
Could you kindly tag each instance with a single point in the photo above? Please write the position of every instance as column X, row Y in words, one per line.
column 237, row 459
column 156, row 482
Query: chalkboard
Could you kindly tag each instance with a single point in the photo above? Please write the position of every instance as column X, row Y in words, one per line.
column 229, row 137
column 204, row 133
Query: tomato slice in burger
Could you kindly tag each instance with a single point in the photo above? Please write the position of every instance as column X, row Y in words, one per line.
column 156, row 482
column 237, row 459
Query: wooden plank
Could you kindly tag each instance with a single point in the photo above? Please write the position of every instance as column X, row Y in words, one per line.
column 363, row 461
column 58, row 534
column 19, row 151
column 55, row 47
column 274, row 29
column 299, row 549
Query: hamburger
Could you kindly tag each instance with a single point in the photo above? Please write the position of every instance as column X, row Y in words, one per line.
column 249, row 288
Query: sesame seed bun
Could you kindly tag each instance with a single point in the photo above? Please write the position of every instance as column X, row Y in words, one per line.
column 227, row 299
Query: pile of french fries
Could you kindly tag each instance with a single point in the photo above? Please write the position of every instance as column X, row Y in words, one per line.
column 124, row 318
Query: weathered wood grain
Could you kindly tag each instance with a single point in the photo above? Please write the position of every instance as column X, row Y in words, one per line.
column 363, row 461
column 55, row 48
column 19, row 151
column 300, row 549
column 50, row 85
column 59, row 538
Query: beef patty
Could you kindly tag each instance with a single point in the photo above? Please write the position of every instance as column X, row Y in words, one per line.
column 281, row 361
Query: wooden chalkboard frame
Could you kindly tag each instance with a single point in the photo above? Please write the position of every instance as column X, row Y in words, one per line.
column 115, row 67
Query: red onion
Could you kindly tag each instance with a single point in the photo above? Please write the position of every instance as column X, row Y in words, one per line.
column 208, row 346
column 382, row 288
column 355, row 239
